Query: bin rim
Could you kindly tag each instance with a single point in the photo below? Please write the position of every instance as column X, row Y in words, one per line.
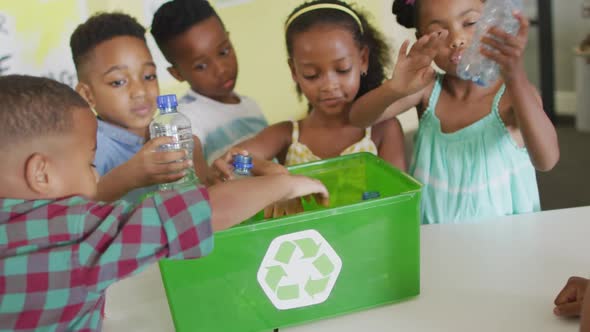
column 321, row 213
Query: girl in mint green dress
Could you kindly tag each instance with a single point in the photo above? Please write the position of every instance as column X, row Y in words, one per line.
column 477, row 148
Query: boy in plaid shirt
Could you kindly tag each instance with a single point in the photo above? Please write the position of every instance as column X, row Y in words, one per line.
column 59, row 250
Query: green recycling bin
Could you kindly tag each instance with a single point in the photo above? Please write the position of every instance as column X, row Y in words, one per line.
column 357, row 254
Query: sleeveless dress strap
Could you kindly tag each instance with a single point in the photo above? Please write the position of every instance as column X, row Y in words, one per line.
column 295, row 132
column 497, row 98
column 434, row 95
column 368, row 133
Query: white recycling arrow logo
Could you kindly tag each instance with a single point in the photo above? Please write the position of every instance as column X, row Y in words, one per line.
column 299, row 270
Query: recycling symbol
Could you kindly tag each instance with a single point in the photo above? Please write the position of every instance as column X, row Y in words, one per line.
column 299, row 270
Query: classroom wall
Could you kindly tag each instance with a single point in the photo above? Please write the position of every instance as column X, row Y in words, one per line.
column 569, row 29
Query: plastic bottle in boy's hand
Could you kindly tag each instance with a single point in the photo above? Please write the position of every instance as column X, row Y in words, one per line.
column 242, row 166
column 473, row 65
column 171, row 123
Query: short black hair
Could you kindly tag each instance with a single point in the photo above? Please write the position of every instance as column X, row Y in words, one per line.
column 370, row 37
column 175, row 17
column 35, row 106
column 100, row 28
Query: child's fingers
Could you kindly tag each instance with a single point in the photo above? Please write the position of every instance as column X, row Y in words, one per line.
column 274, row 212
column 321, row 192
column 268, row 211
column 497, row 57
column 429, row 45
column 303, row 186
column 278, row 211
column 442, row 35
column 523, row 31
column 571, row 309
column 503, row 37
column 235, row 151
column 293, row 206
column 165, row 157
column 569, row 293
column 223, row 169
column 173, row 167
column 419, row 45
column 503, row 48
column 320, row 188
column 435, row 42
column 420, row 62
column 422, row 41
column 155, row 143
column 403, row 50
column 323, row 200
column 166, row 178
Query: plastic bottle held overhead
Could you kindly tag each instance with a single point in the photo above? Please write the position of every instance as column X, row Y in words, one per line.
column 242, row 166
column 473, row 65
column 170, row 122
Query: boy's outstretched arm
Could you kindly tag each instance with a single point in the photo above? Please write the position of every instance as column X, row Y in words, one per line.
column 540, row 137
column 119, row 239
column 145, row 168
column 412, row 74
column 235, row 201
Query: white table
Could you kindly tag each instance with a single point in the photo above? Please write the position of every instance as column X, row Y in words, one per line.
column 496, row 276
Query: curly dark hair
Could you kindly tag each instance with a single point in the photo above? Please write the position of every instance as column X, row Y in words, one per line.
column 379, row 52
column 99, row 28
column 406, row 13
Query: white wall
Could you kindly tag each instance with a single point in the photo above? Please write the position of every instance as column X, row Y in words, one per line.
column 569, row 29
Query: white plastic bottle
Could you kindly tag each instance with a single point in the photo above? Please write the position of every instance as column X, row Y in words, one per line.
column 473, row 65
column 172, row 123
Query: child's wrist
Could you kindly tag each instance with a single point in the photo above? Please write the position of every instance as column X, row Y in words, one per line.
column 267, row 167
column 274, row 168
column 395, row 90
column 517, row 77
column 291, row 183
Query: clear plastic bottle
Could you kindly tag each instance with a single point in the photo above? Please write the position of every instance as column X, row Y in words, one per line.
column 242, row 166
column 473, row 65
column 172, row 123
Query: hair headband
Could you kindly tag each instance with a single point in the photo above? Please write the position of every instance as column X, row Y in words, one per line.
column 325, row 6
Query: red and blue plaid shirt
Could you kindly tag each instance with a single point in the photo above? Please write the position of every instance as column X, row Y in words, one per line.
column 58, row 257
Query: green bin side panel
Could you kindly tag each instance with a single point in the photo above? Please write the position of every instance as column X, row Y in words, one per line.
column 377, row 241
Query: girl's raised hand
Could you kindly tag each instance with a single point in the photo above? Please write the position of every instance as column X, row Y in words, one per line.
column 413, row 70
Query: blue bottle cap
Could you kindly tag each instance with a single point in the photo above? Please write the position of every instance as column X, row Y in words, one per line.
column 370, row 195
column 167, row 102
column 242, row 162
